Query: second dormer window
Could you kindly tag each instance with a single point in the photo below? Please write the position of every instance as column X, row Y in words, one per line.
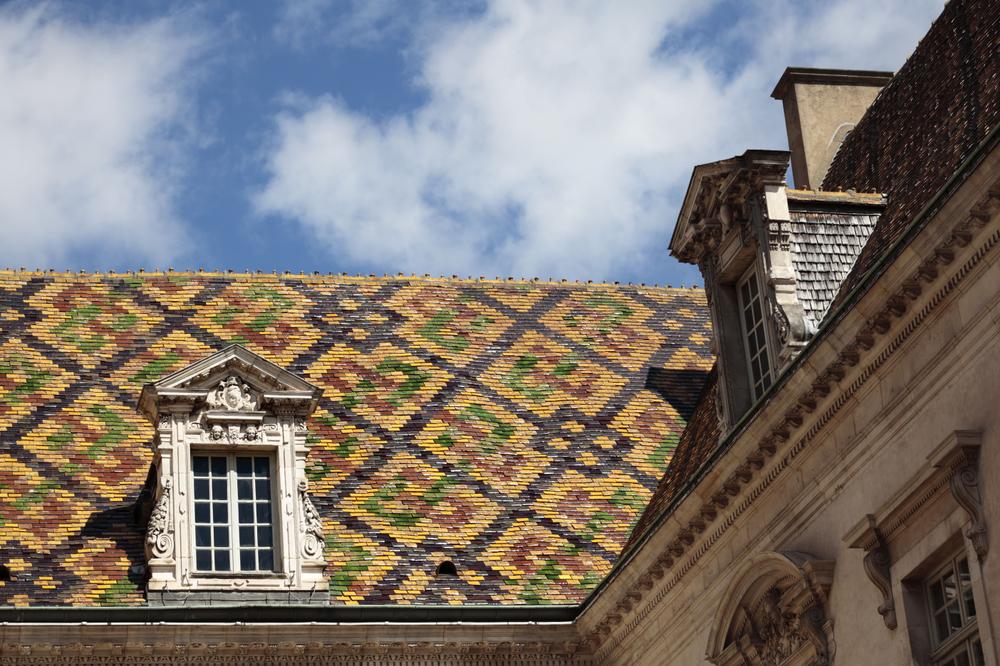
column 754, row 332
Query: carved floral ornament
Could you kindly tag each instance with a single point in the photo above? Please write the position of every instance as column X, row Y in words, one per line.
column 232, row 401
column 774, row 613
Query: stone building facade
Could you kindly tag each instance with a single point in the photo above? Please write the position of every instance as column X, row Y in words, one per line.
column 799, row 464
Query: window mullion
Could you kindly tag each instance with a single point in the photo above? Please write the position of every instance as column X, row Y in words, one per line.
column 234, row 531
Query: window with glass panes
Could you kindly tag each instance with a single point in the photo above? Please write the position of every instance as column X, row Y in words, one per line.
column 754, row 332
column 953, row 616
column 233, row 526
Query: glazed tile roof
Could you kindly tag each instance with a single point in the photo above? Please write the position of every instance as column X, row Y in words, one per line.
column 699, row 440
column 937, row 109
column 515, row 428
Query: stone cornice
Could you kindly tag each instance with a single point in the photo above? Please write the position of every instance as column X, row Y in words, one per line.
column 312, row 643
column 807, row 414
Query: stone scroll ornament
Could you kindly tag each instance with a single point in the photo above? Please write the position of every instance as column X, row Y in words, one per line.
column 159, row 536
column 964, row 485
column 313, row 538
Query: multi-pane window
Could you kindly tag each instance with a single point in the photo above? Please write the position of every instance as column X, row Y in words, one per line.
column 233, row 527
column 754, row 332
column 953, row 616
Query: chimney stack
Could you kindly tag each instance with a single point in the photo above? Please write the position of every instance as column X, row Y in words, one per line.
column 821, row 107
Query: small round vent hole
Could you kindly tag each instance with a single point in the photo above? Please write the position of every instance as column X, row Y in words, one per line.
column 446, row 568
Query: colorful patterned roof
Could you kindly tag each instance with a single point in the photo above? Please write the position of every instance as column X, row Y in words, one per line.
column 517, row 429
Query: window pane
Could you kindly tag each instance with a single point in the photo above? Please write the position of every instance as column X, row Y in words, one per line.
column 954, row 617
column 204, row 560
column 266, row 560
column 965, row 581
column 937, row 596
column 222, row 560
column 201, row 488
column 263, row 512
column 220, row 512
column 247, row 561
column 962, row 658
column 222, row 537
column 201, row 466
column 218, row 466
column 219, row 490
column 246, row 512
column 201, row 512
column 246, row 536
column 948, row 585
column 263, row 488
column 244, row 489
column 243, row 466
column 201, row 536
column 941, row 625
column 261, row 467
column 263, row 536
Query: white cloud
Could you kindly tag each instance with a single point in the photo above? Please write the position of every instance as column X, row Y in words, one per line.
column 92, row 124
column 558, row 136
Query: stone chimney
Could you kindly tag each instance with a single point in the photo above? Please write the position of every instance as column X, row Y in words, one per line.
column 822, row 106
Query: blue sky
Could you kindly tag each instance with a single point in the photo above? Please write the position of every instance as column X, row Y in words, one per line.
column 529, row 139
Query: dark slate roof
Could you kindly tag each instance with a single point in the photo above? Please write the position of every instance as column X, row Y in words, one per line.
column 938, row 108
column 827, row 233
column 699, row 440
column 515, row 428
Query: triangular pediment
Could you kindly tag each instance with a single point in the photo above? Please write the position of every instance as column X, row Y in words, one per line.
column 234, row 365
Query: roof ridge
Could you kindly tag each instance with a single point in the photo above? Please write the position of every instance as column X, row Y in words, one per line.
column 7, row 271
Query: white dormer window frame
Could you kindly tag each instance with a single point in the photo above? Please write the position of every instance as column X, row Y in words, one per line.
column 756, row 334
column 234, row 407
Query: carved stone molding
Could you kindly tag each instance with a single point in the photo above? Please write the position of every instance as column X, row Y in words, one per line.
column 605, row 637
column 232, row 402
column 775, row 612
column 877, row 563
column 159, row 532
column 959, row 457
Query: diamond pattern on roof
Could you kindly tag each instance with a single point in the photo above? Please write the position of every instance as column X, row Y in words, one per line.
column 96, row 439
column 609, row 323
column 492, row 435
column 272, row 318
column 407, row 500
column 543, row 375
column 28, row 380
column 385, row 386
column 452, row 324
column 91, row 323
column 485, row 441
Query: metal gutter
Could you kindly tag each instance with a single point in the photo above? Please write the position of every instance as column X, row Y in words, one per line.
column 920, row 220
column 287, row 614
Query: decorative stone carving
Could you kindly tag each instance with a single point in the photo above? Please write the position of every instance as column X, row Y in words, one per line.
column 237, row 400
column 877, row 564
column 159, row 533
column 964, row 485
column 958, row 455
column 310, row 525
column 775, row 613
column 233, row 395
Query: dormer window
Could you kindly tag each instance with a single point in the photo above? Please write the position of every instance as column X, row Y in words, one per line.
column 229, row 453
column 755, row 335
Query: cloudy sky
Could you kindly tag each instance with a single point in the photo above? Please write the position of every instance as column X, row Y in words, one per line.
column 514, row 138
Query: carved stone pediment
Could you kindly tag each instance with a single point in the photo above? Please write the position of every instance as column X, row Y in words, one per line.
column 233, row 403
column 775, row 613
